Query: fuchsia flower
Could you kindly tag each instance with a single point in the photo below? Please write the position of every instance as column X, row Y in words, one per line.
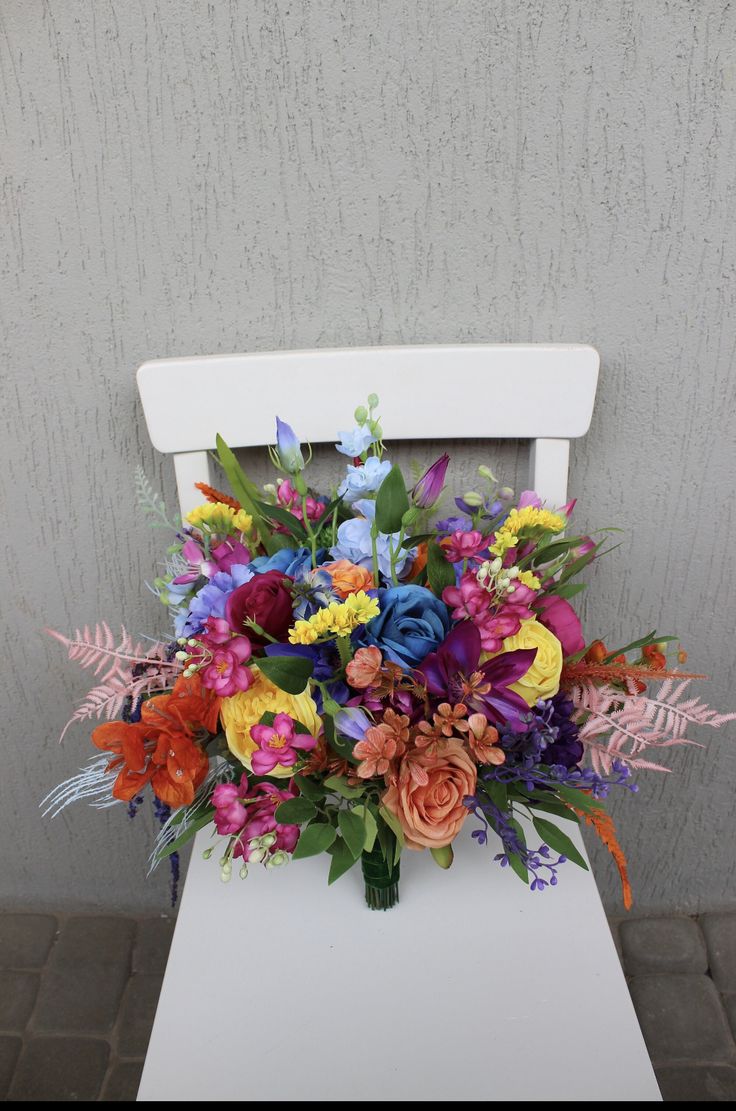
column 221, row 659
column 559, row 617
column 290, row 498
column 495, row 618
column 248, row 812
column 278, row 744
column 222, row 557
column 465, row 545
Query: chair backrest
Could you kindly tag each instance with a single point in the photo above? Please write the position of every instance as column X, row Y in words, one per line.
column 538, row 392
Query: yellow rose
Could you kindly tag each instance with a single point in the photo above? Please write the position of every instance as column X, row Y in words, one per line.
column 248, row 707
column 542, row 680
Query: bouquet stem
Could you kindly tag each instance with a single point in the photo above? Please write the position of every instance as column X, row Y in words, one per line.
column 381, row 877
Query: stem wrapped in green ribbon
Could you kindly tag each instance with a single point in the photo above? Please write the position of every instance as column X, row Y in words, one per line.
column 381, row 875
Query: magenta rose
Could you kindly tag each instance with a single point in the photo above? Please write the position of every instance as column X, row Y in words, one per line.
column 557, row 615
column 264, row 599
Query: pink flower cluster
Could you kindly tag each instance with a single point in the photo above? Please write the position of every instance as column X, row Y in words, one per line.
column 248, row 813
column 290, row 499
column 495, row 617
column 222, row 658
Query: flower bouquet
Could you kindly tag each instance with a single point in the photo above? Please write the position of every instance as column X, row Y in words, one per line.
column 352, row 674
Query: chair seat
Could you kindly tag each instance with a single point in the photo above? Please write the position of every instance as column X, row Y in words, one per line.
column 282, row 988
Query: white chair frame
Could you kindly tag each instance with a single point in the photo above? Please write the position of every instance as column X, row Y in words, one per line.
column 445, row 997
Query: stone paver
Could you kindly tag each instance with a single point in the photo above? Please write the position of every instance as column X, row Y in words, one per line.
column 729, row 1002
column 9, row 1051
column 152, row 944
column 137, row 1014
column 60, row 1069
column 681, row 1017
column 25, row 939
column 84, row 982
column 662, row 945
column 18, row 991
column 720, row 936
column 122, row 1082
column 697, row 1083
column 100, row 977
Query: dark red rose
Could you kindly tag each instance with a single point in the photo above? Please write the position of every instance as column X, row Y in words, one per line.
column 266, row 600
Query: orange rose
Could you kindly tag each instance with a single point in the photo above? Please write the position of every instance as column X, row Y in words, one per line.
column 348, row 578
column 431, row 813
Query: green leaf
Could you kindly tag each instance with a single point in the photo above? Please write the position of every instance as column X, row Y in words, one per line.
column 498, row 793
column 289, row 673
column 553, row 836
column 295, row 811
column 342, row 859
column 440, row 573
column 517, row 865
column 343, row 746
column 443, row 856
column 340, row 786
column 393, row 824
column 245, row 491
column 315, row 839
column 392, row 501
column 288, row 520
column 352, row 830
column 412, row 541
column 370, row 825
column 549, row 552
column 579, row 799
column 557, row 808
column 309, row 788
column 643, row 642
column 567, row 590
column 187, row 835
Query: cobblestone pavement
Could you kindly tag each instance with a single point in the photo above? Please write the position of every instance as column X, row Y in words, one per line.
column 78, row 997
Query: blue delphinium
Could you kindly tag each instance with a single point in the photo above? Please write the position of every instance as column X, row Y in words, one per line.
column 363, row 480
column 356, row 441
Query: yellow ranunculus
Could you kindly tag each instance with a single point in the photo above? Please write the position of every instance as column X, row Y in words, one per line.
column 248, row 707
column 542, row 680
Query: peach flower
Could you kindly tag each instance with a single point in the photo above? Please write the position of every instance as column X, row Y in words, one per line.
column 432, row 813
column 348, row 578
column 364, row 668
column 482, row 739
column 382, row 744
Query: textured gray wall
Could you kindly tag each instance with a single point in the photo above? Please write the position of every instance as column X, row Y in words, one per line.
column 191, row 177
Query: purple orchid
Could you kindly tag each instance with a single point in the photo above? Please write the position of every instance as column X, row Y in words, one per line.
column 454, row 672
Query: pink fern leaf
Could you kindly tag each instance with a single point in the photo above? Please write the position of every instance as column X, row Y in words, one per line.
column 99, row 650
column 619, row 725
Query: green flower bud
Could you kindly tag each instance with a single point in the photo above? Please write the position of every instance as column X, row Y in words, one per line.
column 473, row 499
column 361, row 414
column 373, row 400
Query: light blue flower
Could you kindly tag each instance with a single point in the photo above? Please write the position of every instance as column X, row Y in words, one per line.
column 289, row 449
column 363, row 480
column 356, row 441
column 312, row 590
column 354, row 543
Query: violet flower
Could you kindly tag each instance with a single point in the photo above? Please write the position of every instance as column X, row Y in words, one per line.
column 454, row 672
column 431, row 484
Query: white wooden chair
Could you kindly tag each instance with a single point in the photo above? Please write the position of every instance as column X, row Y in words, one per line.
column 280, row 988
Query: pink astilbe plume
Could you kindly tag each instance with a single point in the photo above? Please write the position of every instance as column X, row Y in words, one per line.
column 127, row 669
column 616, row 725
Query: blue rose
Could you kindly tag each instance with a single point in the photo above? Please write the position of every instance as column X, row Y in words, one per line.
column 287, row 560
column 411, row 624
